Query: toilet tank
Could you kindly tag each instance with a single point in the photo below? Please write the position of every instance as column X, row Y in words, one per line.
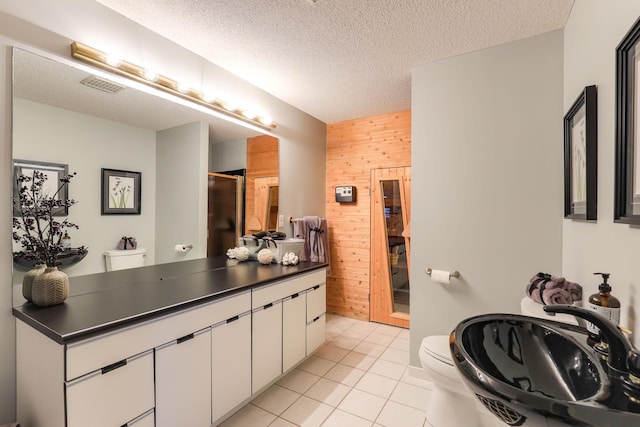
column 529, row 307
column 123, row 259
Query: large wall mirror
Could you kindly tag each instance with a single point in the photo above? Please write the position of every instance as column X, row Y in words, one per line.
column 69, row 115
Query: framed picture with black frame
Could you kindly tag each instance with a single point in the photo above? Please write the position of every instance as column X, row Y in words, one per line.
column 581, row 157
column 121, row 192
column 53, row 171
column 627, row 160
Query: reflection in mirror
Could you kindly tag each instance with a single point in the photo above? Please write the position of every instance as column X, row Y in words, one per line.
column 225, row 213
column 272, row 209
column 71, row 115
column 262, row 174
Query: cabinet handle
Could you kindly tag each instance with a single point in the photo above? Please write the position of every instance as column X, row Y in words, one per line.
column 295, row 295
column 233, row 319
column 316, row 319
column 268, row 305
column 184, row 338
column 114, row 366
column 316, row 287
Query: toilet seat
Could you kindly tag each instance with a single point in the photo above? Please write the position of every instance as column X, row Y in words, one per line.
column 437, row 347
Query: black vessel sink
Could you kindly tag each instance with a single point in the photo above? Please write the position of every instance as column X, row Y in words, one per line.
column 537, row 372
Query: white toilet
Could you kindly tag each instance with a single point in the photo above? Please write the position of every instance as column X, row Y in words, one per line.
column 452, row 404
column 121, row 259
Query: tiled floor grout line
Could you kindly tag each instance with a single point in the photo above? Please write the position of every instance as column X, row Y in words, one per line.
column 364, row 339
column 347, row 335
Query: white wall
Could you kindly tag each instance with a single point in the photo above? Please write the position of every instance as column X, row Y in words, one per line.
column 486, row 180
column 43, row 26
column 591, row 36
column 87, row 144
column 228, row 155
column 181, row 192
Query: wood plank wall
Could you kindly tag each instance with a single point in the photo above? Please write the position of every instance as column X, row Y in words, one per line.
column 262, row 161
column 354, row 149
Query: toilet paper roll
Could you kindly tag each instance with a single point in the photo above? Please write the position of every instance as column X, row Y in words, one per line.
column 182, row 248
column 441, row 276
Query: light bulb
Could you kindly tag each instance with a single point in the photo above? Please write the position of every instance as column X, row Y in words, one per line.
column 208, row 97
column 113, row 60
column 249, row 114
column 230, row 106
column 184, row 88
column 151, row 75
column 265, row 120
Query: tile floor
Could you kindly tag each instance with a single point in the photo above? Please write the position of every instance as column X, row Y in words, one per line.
column 357, row 378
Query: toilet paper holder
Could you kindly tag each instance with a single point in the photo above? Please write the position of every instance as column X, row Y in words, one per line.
column 451, row 274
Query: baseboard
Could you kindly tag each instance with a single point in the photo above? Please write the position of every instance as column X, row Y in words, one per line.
column 419, row 374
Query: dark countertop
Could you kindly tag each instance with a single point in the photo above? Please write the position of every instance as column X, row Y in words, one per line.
column 101, row 302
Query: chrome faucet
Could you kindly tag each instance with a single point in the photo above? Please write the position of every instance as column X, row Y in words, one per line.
column 618, row 343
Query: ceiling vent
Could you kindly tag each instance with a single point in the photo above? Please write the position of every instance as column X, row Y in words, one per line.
column 101, row 84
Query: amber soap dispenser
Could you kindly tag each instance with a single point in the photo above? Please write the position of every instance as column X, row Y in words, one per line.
column 604, row 304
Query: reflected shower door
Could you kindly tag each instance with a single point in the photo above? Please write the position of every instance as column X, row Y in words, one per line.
column 224, row 219
column 390, row 246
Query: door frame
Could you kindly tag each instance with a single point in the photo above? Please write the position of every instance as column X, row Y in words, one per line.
column 380, row 293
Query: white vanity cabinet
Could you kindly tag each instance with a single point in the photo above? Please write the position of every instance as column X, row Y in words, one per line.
column 192, row 367
column 183, row 381
column 281, row 326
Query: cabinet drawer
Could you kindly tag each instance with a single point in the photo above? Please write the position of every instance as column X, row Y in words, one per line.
column 94, row 353
column 316, row 301
column 112, row 396
column 315, row 334
column 277, row 291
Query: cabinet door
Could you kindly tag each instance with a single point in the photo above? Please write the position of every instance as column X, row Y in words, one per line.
column 293, row 330
column 230, row 364
column 267, row 345
column 183, row 381
column 112, row 396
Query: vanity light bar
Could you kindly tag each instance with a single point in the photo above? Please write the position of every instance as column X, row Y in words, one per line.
column 165, row 84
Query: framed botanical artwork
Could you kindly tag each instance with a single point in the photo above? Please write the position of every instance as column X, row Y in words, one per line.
column 627, row 161
column 581, row 157
column 53, row 172
column 120, row 192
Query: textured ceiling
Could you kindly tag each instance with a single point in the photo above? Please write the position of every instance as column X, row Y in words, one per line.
column 340, row 59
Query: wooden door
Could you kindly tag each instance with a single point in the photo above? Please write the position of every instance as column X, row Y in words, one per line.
column 390, row 246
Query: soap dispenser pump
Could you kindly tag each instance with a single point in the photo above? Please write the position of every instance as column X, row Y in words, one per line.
column 605, row 304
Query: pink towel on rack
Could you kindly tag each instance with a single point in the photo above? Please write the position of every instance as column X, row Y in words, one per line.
column 313, row 230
